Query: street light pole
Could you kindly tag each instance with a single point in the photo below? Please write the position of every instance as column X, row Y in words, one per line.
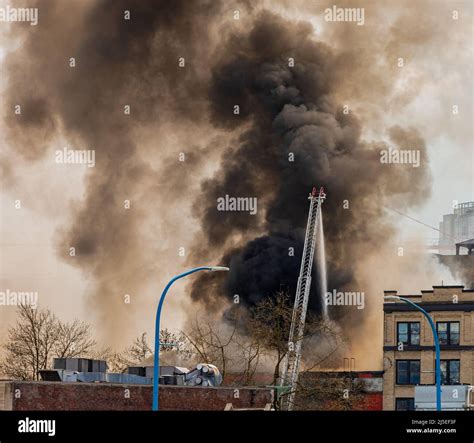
column 436, row 343
column 156, row 367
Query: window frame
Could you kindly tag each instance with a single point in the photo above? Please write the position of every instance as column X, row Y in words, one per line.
column 410, row 400
column 409, row 333
column 409, row 372
column 448, row 381
column 449, row 341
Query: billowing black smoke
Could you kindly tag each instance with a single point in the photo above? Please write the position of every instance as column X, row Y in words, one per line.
column 293, row 136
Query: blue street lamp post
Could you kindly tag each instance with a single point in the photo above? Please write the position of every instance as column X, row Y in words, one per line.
column 156, row 367
column 436, row 343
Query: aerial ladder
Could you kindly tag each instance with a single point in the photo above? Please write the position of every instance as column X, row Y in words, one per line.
column 291, row 365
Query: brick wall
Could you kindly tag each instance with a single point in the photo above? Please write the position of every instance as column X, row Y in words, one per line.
column 49, row 396
column 258, row 379
column 364, row 389
column 372, row 401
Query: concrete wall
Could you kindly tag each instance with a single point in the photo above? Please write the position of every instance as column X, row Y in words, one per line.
column 49, row 396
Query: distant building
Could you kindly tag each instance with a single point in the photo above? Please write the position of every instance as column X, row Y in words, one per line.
column 467, row 244
column 456, row 227
column 409, row 355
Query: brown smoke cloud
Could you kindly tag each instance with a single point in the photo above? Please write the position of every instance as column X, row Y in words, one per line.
column 118, row 63
column 285, row 111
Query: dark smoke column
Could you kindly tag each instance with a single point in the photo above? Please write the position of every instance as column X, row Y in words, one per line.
column 293, row 135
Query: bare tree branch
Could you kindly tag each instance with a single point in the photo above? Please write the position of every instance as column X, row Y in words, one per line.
column 37, row 337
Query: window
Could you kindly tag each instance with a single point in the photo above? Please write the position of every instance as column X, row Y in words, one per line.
column 408, row 372
column 408, row 333
column 450, row 373
column 405, row 404
column 448, row 332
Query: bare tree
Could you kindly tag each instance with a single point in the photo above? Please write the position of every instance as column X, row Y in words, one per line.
column 73, row 339
column 140, row 351
column 269, row 325
column 211, row 343
column 37, row 337
column 329, row 391
column 246, row 337
column 249, row 352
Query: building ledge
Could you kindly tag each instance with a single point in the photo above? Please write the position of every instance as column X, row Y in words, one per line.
column 430, row 306
column 429, row 348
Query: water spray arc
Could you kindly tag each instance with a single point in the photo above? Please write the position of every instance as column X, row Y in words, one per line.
column 291, row 365
column 321, row 265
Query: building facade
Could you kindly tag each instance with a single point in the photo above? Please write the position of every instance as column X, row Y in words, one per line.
column 456, row 227
column 409, row 355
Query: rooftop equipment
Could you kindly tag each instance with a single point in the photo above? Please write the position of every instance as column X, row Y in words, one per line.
column 87, row 370
column 94, row 371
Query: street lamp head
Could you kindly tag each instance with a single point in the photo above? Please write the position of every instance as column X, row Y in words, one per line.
column 391, row 297
column 218, row 268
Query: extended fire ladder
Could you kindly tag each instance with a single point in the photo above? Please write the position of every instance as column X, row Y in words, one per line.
column 291, row 365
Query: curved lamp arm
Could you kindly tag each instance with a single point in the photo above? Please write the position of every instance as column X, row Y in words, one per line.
column 156, row 359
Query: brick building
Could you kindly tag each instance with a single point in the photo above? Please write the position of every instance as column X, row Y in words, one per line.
column 409, row 355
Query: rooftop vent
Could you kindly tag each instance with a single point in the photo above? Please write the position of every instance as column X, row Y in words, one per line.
column 80, row 364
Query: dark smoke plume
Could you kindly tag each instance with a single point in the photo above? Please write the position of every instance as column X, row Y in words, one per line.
column 290, row 111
